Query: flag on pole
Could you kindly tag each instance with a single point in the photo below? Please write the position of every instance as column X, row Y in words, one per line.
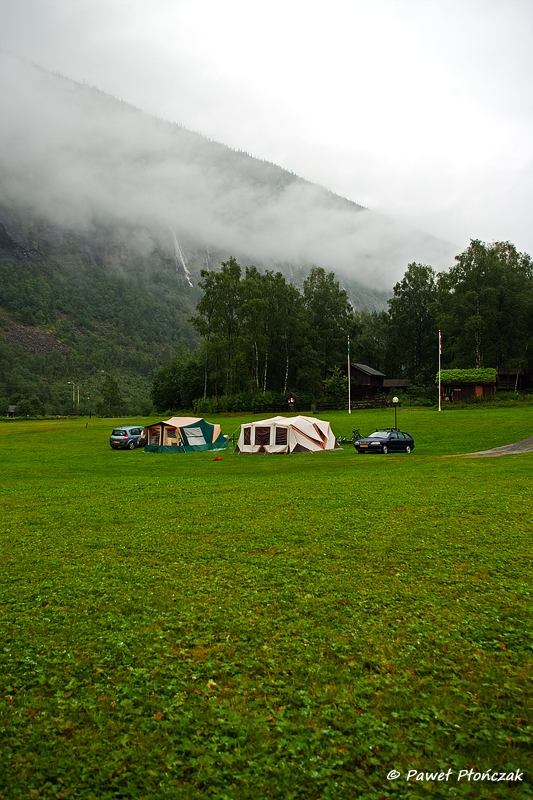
column 440, row 387
column 349, row 381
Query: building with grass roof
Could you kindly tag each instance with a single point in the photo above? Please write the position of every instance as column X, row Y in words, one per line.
column 461, row 385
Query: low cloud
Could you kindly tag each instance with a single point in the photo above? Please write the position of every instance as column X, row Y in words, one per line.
column 78, row 156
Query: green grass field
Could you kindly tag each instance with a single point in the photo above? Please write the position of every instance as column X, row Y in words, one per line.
column 267, row 627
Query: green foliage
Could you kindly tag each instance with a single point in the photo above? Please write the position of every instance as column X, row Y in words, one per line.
column 329, row 316
column 498, row 400
column 247, row 401
column 504, row 399
column 370, row 337
column 267, row 323
column 336, row 387
column 479, row 376
column 259, row 333
column 112, row 402
column 413, row 327
column 483, row 305
column 31, row 407
column 486, row 306
column 83, row 322
column 219, row 321
column 178, row 383
column 176, row 627
column 65, row 319
column 422, row 395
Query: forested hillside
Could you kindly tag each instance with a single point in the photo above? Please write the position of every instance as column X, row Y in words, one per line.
column 64, row 317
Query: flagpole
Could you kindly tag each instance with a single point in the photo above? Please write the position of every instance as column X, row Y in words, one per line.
column 440, row 353
column 349, row 381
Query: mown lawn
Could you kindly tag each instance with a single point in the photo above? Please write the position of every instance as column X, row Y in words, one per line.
column 266, row 627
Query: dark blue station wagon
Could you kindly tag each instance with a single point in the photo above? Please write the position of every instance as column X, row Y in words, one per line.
column 387, row 440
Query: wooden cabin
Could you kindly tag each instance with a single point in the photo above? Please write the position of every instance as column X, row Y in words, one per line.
column 392, row 385
column 514, row 380
column 366, row 382
column 461, row 385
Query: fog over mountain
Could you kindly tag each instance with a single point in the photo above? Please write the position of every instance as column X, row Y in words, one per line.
column 85, row 161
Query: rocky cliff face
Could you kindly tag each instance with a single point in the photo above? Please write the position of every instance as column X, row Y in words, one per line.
column 14, row 245
column 30, row 338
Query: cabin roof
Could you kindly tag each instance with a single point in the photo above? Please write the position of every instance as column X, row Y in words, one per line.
column 368, row 370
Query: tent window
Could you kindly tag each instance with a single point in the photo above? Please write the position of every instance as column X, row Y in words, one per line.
column 171, row 434
column 262, row 436
column 247, row 439
column 195, row 436
column 281, row 435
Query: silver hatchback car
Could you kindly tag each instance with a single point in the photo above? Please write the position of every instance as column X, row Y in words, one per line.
column 127, row 437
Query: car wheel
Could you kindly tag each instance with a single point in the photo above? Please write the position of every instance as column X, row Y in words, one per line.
column 408, row 448
column 385, row 449
column 131, row 445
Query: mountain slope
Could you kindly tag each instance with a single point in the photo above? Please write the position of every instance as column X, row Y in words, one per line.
column 83, row 160
column 107, row 217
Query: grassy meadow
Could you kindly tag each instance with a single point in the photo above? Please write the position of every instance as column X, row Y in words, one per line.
column 274, row 627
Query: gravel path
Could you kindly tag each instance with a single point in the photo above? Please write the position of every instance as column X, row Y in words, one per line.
column 525, row 446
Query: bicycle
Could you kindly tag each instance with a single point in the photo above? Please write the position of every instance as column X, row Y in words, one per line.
column 356, row 434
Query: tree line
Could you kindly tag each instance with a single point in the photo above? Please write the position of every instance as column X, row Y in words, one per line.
column 254, row 336
column 483, row 305
column 261, row 336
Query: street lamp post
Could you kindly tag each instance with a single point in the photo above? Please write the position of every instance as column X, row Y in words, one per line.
column 71, row 383
column 395, row 402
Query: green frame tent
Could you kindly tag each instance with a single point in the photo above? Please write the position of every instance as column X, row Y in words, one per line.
column 183, row 435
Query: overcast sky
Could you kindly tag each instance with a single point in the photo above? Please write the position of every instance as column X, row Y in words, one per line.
column 420, row 109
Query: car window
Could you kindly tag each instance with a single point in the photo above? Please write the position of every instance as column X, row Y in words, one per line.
column 119, row 432
column 379, row 435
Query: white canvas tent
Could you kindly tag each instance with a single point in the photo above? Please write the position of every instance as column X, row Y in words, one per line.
column 286, row 435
